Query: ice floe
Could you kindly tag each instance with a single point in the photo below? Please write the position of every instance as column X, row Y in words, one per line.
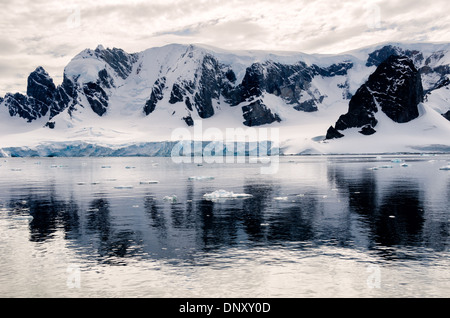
column 223, row 194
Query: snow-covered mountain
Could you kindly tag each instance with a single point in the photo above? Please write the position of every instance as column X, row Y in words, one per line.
column 112, row 99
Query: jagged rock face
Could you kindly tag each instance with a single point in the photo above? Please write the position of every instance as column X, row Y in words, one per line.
column 65, row 97
column 379, row 56
column 25, row 107
column 256, row 114
column 96, row 97
column 40, row 86
column 447, row 115
column 212, row 80
column 156, row 95
column 397, row 86
column 290, row 82
column 39, row 98
column 120, row 61
column 191, row 81
column 394, row 88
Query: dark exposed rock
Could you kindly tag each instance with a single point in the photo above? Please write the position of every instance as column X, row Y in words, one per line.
column 256, row 114
column 155, row 96
column 362, row 108
column 397, row 86
column 177, row 94
column 39, row 98
column 188, row 120
column 105, row 80
column 50, row 124
column 290, row 82
column 65, row 96
column 97, row 98
column 208, row 87
column 25, row 107
column 40, row 86
column 447, row 115
column 367, row 130
column 379, row 56
column 188, row 103
column 394, row 88
column 212, row 80
column 120, row 61
column 333, row 133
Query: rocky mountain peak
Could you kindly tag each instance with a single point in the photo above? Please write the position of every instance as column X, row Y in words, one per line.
column 394, row 88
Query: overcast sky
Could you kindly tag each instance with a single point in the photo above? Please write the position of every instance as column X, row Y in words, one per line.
column 49, row 33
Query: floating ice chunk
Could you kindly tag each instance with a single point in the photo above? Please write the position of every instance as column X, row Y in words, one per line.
column 404, row 165
column 280, row 198
column 171, row 198
column 24, row 217
column 201, row 178
column 392, row 216
column 223, row 194
column 300, row 195
column 123, row 187
column 149, row 182
column 445, row 168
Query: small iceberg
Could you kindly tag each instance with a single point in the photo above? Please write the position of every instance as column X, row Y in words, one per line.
column 447, row 168
column 149, row 182
column 223, row 194
column 23, row 217
column 280, row 198
column 171, row 198
column 200, row 178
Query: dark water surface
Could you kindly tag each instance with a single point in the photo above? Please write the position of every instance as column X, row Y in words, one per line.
column 319, row 227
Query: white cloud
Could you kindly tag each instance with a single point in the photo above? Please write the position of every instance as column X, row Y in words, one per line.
column 50, row 33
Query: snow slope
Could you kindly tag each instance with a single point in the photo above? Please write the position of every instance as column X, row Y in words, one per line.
column 125, row 124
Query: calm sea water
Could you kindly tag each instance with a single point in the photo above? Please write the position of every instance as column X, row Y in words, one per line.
column 319, row 227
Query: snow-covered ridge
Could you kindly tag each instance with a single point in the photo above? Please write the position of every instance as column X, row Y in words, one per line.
column 111, row 97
